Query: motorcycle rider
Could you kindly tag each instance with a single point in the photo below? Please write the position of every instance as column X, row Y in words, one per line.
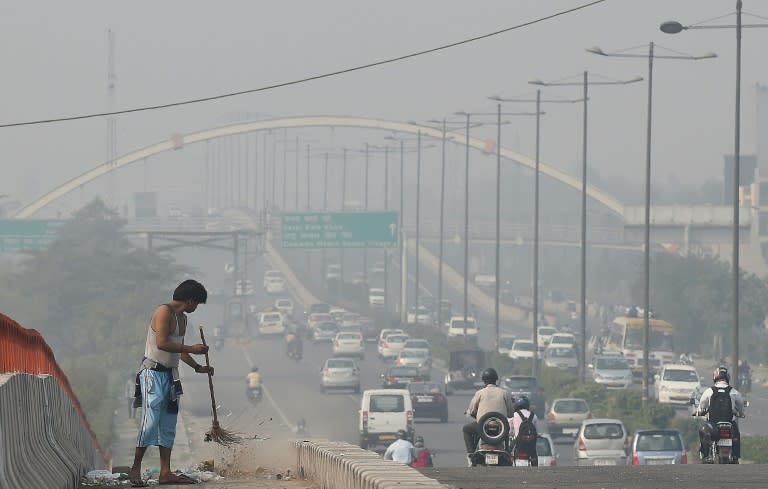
column 686, row 359
column 745, row 376
column 253, row 379
column 293, row 344
column 523, row 410
column 721, row 379
column 490, row 398
column 401, row 450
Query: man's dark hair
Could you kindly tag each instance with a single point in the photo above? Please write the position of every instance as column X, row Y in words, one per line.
column 190, row 290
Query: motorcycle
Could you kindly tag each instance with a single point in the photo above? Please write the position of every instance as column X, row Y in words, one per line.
column 294, row 354
column 254, row 394
column 745, row 382
column 493, row 447
column 722, row 440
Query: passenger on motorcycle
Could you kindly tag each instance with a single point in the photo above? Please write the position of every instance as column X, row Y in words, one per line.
column 401, row 450
column 707, row 405
column 490, row 398
column 423, row 455
column 522, row 414
column 293, row 344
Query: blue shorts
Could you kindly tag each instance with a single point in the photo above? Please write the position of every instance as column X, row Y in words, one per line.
column 158, row 426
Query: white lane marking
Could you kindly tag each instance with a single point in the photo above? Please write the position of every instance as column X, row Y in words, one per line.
column 269, row 397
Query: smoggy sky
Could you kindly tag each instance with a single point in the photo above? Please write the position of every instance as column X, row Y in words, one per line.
column 55, row 55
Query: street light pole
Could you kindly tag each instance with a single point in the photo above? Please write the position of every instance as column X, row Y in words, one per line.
column 418, row 220
column 736, row 182
column 365, row 206
column 466, row 229
column 497, row 294
column 403, row 245
column 442, row 224
column 386, row 208
column 535, row 366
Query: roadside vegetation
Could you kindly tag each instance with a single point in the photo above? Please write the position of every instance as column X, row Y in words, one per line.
column 90, row 295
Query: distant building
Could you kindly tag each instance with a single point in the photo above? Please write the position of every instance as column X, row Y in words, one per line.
column 748, row 163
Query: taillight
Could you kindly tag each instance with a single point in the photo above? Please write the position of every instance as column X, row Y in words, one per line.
column 725, row 433
column 385, row 345
column 582, row 445
column 550, row 417
column 626, row 443
column 390, row 378
column 409, row 417
column 589, row 415
column 635, row 459
column 553, row 461
column 684, row 457
column 365, row 420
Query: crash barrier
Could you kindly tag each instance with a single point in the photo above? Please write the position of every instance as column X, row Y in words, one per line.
column 45, row 438
column 339, row 465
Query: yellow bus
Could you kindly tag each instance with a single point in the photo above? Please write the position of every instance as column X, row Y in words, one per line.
column 626, row 338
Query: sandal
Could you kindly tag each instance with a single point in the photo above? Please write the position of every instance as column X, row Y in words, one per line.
column 138, row 483
column 177, row 479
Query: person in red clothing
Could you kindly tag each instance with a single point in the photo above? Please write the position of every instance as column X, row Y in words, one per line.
column 423, row 455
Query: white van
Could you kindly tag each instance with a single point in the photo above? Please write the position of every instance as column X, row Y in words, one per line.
column 456, row 327
column 271, row 323
column 382, row 414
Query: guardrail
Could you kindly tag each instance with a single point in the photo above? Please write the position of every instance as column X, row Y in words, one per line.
column 339, row 465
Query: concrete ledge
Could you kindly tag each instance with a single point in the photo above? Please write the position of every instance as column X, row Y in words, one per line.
column 339, row 465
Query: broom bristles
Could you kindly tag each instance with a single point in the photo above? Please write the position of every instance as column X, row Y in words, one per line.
column 222, row 436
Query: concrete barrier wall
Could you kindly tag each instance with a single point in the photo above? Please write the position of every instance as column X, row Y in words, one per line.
column 43, row 443
column 339, row 465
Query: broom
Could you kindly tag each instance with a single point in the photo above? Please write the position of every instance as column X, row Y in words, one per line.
column 217, row 433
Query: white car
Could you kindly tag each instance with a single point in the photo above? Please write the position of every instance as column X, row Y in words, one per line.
column 675, row 384
column 337, row 313
column 271, row 323
column 417, row 344
column 333, row 271
column 349, row 344
column 562, row 339
column 545, row 334
column 456, row 327
column 340, row 373
column 376, row 298
column 505, row 344
column 422, row 316
column 270, row 274
column 285, row 306
column 521, row 349
column 349, row 319
column 561, row 357
column 275, row 285
column 388, row 331
column 391, row 346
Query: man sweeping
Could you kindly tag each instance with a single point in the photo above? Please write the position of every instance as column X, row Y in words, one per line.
column 158, row 384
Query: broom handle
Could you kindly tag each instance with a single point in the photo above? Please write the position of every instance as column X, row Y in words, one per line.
column 210, row 380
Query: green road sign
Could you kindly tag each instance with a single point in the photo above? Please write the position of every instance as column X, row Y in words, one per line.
column 340, row 230
column 27, row 234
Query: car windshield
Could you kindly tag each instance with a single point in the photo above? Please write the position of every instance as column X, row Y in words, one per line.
column 662, row 441
column 319, row 307
column 339, row 363
column 506, row 342
column 327, row 327
column 520, row 384
column 271, row 317
column 425, row 388
column 320, row 317
column 416, row 344
column 597, row 431
column 523, row 346
column 459, row 324
column 543, row 448
column 413, row 354
column 382, row 403
column 284, row 303
column 404, row 371
column 611, row 364
column 348, row 336
column 570, row 406
column 562, row 339
column 680, row 375
column 396, row 338
column 561, row 352
column 547, row 331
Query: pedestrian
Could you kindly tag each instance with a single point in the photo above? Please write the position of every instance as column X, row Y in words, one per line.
column 159, row 382
column 130, row 388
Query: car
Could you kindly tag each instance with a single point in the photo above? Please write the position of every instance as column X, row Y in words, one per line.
column 525, row 385
column 270, row 274
column 376, row 298
column 318, row 307
column 349, row 344
column 382, row 413
column 658, row 447
column 545, row 451
column 391, row 346
column 324, row 332
column 564, row 416
column 505, row 344
column 601, row 441
column 545, row 334
column 340, row 373
column 428, row 400
column 611, row 371
column 457, row 329
column 521, row 349
column 676, row 383
column 318, row 317
column 388, row 331
column 349, row 318
column 285, row 306
column 561, row 357
column 271, row 323
column 333, row 271
column 337, row 313
column 464, row 369
column 417, row 344
column 275, row 285
column 369, row 330
column 421, row 316
column 398, row 377
column 416, row 358
column 562, row 339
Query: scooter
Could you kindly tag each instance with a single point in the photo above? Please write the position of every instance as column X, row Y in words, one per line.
column 493, row 448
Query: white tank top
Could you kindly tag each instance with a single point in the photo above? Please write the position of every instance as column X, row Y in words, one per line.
column 164, row 358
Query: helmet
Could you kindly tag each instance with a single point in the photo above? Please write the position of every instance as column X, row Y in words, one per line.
column 522, row 403
column 254, row 369
column 402, row 434
column 419, row 441
column 489, row 376
column 721, row 373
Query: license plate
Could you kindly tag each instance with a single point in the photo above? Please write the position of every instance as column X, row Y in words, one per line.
column 387, row 437
column 605, row 462
column 491, row 459
column 725, row 442
column 423, row 399
column 570, row 431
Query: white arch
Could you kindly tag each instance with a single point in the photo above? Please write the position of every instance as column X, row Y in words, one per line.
column 296, row 122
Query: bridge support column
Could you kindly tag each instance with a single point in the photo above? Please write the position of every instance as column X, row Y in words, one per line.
column 686, row 239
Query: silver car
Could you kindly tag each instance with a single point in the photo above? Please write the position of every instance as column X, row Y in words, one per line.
column 340, row 373
column 601, row 441
column 611, row 371
column 416, row 358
